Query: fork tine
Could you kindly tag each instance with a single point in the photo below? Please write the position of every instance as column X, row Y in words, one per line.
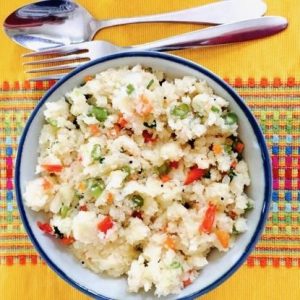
column 55, row 68
column 48, row 77
column 56, row 59
column 56, row 51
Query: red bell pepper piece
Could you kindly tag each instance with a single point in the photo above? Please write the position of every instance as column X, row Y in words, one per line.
column 239, row 147
column 194, row 174
column 45, row 227
column 67, row 240
column 174, row 164
column 209, row 218
column 105, row 224
column 148, row 137
column 52, row 168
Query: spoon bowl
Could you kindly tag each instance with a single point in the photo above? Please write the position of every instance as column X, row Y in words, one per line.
column 52, row 23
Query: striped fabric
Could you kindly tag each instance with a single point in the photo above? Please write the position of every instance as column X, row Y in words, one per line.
column 275, row 103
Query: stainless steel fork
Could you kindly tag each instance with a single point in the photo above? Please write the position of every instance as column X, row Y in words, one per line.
column 222, row 34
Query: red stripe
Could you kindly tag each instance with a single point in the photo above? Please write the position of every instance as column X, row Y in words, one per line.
column 9, row 173
column 277, row 82
column 33, row 259
column 276, row 262
column 264, row 82
column 9, row 260
column 263, row 262
column 22, row 259
column 288, row 262
column 250, row 261
column 288, row 173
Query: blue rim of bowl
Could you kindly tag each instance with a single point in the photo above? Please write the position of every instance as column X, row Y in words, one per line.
column 256, row 128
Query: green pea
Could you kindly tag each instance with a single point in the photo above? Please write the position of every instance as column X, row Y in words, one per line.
column 96, row 152
column 100, row 113
column 249, row 206
column 130, row 89
column 64, row 210
column 234, row 231
column 52, row 122
column 175, row 265
column 215, row 109
column 96, row 187
column 137, row 200
column 180, row 110
column 126, row 169
column 231, row 118
column 163, row 169
column 228, row 148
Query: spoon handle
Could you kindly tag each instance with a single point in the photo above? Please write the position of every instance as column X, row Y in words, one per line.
column 219, row 35
column 214, row 13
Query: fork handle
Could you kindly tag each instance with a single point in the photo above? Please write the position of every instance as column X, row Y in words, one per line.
column 214, row 13
column 219, row 35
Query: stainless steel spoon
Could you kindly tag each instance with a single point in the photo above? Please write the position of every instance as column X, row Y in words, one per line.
column 53, row 23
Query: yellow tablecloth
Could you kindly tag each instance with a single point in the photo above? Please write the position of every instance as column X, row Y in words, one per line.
column 265, row 72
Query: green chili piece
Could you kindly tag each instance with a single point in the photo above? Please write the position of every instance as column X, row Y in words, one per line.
column 231, row 118
column 150, row 83
column 175, row 265
column 64, row 210
column 180, row 110
column 100, row 113
column 130, row 89
column 215, row 109
column 163, row 169
column 151, row 125
column 126, row 169
column 52, row 122
column 137, row 200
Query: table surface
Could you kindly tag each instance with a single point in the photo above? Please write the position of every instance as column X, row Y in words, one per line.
column 265, row 72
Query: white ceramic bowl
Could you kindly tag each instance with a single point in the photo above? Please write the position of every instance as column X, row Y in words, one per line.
column 220, row 266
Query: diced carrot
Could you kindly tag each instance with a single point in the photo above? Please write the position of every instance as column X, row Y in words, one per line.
column 186, row 282
column 233, row 164
column 217, row 149
column 223, row 237
column 52, row 168
column 45, row 227
column 165, row 178
column 67, row 240
column 47, row 185
column 194, row 174
column 82, row 186
column 232, row 214
column 209, row 217
column 105, row 224
column 170, row 243
column 110, row 198
column 174, row 164
column 117, row 128
column 88, row 78
column 122, row 122
column 144, row 107
column 94, row 129
column 239, row 147
column 83, row 208
column 164, row 228
column 148, row 137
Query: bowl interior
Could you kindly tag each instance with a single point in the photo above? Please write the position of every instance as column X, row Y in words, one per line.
column 220, row 265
